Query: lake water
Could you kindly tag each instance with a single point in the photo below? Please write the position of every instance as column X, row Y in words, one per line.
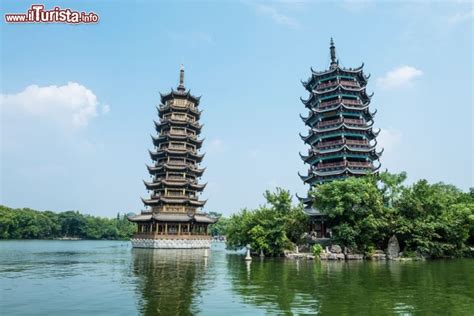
column 111, row 278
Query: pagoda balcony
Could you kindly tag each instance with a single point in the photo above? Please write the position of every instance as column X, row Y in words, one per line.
column 351, row 102
column 175, row 178
column 357, row 164
column 181, row 104
column 170, row 105
column 329, row 123
column 329, row 103
column 175, row 133
column 349, row 83
column 171, row 195
column 330, row 84
column 357, row 142
column 355, row 122
column 331, row 165
column 176, row 163
column 346, row 163
column 327, row 85
column 181, row 118
column 330, row 143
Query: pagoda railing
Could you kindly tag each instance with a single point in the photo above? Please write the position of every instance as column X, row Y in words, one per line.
column 176, row 133
column 358, row 164
column 350, row 83
column 330, row 143
column 357, row 142
column 329, row 84
column 340, row 120
column 329, row 103
column 329, row 165
column 176, row 163
column 329, row 123
column 180, row 178
column 350, row 102
column 326, row 84
column 170, row 104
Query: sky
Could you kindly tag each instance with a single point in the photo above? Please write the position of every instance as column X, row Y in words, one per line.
column 78, row 101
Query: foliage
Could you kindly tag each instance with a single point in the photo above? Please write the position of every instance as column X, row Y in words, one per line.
column 317, row 249
column 436, row 220
column 220, row 227
column 30, row 224
column 355, row 211
column 271, row 228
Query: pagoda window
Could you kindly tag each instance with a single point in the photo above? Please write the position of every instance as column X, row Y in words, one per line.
column 176, row 175
column 180, row 102
column 175, row 192
column 178, row 131
column 176, row 145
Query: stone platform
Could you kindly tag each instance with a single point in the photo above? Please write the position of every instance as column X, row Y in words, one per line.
column 174, row 243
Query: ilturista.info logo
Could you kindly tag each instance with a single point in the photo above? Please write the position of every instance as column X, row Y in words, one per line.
column 38, row 14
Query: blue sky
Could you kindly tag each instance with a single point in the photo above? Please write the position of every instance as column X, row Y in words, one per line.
column 78, row 100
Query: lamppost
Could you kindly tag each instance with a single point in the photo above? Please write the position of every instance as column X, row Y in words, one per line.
column 248, row 257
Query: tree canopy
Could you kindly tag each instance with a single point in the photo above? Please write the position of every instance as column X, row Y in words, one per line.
column 26, row 223
column 433, row 219
column 270, row 228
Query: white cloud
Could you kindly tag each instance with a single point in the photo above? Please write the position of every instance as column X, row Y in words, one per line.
column 277, row 16
column 398, row 77
column 71, row 105
column 460, row 17
column 389, row 139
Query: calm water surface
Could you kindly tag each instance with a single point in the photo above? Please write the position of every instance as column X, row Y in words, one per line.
column 110, row 278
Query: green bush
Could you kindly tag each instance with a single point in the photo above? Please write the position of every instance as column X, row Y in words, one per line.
column 317, row 249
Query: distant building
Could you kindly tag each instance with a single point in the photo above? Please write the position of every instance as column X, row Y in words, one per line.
column 171, row 219
column 341, row 137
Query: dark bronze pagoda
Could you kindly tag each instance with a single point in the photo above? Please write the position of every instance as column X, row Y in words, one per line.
column 171, row 219
column 341, row 139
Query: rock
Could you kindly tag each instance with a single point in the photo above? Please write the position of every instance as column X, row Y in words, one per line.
column 380, row 252
column 354, row 256
column 379, row 256
column 336, row 249
column 332, row 256
column 393, row 248
column 340, row 256
column 323, row 256
column 310, row 257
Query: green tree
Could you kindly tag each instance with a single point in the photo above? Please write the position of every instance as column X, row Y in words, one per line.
column 355, row 211
column 271, row 228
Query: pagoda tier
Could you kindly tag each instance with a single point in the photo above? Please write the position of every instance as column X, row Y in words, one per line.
column 163, row 168
column 171, row 219
column 341, row 136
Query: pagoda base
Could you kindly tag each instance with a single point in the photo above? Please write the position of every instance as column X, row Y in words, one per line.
column 171, row 243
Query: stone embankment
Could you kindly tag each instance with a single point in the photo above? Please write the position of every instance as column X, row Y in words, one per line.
column 335, row 252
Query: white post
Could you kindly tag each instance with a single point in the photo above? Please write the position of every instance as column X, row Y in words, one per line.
column 205, row 253
column 248, row 257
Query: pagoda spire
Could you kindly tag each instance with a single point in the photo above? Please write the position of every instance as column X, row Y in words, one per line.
column 181, row 79
column 332, row 49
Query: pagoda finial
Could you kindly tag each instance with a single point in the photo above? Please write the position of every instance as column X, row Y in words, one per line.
column 332, row 49
column 181, row 78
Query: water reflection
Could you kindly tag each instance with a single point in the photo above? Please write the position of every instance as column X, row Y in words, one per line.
column 169, row 281
column 368, row 288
